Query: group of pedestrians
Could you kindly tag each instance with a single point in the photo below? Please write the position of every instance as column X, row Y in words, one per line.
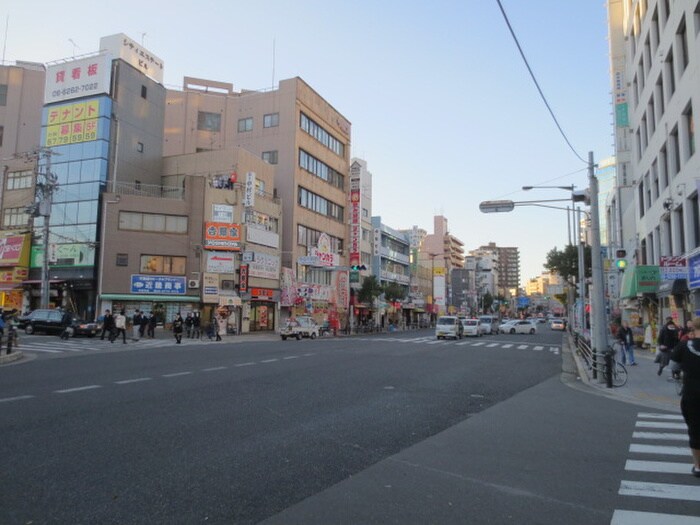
column 191, row 327
column 114, row 325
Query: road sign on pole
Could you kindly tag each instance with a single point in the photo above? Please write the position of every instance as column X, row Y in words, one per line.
column 496, row 206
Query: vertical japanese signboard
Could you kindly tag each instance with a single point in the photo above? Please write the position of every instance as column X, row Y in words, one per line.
column 243, row 279
column 355, row 215
column 249, row 194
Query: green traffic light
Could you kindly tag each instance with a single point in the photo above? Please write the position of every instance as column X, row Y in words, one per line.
column 621, row 264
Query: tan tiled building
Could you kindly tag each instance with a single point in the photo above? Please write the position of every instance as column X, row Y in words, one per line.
column 307, row 141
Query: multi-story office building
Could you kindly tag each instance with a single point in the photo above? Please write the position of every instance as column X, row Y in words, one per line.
column 101, row 123
column 21, row 93
column 507, row 267
column 308, row 142
column 656, row 83
column 391, row 260
column 361, row 234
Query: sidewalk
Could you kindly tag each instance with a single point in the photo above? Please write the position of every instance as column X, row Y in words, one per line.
column 643, row 387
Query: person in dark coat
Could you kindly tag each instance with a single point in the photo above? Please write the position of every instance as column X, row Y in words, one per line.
column 189, row 323
column 196, row 326
column 667, row 340
column 626, row 338
column 107, row 325
column 177, row 328
column 687, row 356
column 152, row 325
column 144, row 323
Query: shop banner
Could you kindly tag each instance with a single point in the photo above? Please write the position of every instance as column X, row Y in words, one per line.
column 221, row 262
column 264, row 265
column 13, row 251
column 288, row 288
column 672, row 268
column 243, row 282
column 158, row 284
column 220, row 236
column 342, row 288
column 210, row 288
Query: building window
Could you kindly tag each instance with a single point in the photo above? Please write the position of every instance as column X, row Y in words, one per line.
column 311, row 201
column 670, row 71
column 208, row 121
column 15, row 217
column 19, row 180
column 122, row 259
column 139, row 147
column 309, row 237
column 270, row 157
column 3, row 94
column 321, row 135
column 245, row 124
column 261, row 220
column 271, row 120
column 163, row 264
column 640, row 199
column 682, row 45
column 696, row 18
column 681, row 228
column 695, row 210
column 689, row 130
column 144, row 91
column 320, row 169
column 2, row 131
column 675, row 152
column 152, row 222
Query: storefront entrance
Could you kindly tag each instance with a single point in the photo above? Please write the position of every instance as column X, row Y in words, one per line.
column 262, row 316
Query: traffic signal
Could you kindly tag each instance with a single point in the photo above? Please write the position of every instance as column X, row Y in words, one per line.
column 358, row 267
column 621, row 264
column 620, row 259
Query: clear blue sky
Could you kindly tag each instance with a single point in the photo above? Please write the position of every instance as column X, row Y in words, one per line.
column 442, row 107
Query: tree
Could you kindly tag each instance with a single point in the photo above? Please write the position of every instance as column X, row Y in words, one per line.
column 394, row 292
column 369, row 290
column 487, row 301
column 565, row 262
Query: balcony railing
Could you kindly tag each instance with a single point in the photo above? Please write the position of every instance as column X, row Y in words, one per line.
column 146, row 190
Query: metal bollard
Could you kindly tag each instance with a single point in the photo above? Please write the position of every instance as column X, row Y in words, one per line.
column 609, row 369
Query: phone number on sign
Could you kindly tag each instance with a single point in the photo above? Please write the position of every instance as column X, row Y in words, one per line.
column 74, row 89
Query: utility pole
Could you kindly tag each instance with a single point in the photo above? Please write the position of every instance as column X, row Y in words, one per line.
column 598, row 314
column 42, row 208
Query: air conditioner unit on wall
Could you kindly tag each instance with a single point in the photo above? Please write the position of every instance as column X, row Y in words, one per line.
column 193, row 283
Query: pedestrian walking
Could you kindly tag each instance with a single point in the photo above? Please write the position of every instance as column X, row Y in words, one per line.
column 196, row 326
column 107, row 325
column 136, row 325
column 119, row 327
column 188, row 325
column 152, row 322
column 143, row 325
column 667, row 341
column 177, row 328
column 687, row 355
column 220, row 327
column 626, row 338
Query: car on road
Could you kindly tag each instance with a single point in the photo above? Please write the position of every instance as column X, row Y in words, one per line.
column 557, row 324
column 471, row 327
column 51, row 321
column 488, row 323
column 521, row 327
column 504, row 327
column 449, row 326
column 300, row 327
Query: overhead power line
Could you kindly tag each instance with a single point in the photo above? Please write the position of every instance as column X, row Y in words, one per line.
column 534, row 79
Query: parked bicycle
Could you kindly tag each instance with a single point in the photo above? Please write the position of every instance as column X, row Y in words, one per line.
column 615, row 373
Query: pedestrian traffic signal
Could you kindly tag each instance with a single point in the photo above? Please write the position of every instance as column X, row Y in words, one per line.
column 358, row 267
column 621, row 264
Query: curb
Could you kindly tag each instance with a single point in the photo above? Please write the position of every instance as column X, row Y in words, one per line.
column 9, row 358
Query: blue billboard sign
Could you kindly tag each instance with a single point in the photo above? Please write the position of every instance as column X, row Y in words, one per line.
column 523, row 302
column 694, row 271
column 158, row 284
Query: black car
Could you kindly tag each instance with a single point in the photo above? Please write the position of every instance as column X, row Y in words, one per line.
column 55, row 322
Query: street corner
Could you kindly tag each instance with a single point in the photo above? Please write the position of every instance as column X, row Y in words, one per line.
column 11, row 358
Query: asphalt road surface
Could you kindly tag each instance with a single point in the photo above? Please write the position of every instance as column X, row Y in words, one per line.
column 325, row 431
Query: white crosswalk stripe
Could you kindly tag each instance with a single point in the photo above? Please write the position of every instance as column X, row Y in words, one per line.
column 95, row 345
column 432, row 341
column 658, row 470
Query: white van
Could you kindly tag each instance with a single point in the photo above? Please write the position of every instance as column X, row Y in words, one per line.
column 449, row 326
column 488, row 323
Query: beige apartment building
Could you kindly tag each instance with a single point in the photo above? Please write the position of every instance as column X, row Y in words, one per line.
column 205, row 241
column 21, row 93
column 308, row 142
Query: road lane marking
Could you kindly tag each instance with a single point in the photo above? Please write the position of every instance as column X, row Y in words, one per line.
column 633, row 517
column 648, row 415
column 291, row 357
column 135, row 380
column 660, row 449
column 522, row 347
column 478, row 344
column 491, row 345
column 245, row 364
column 308, row 355
column 507, row 346
column 539, row 348
column 660, row 490
column 77, row 389
column 269, row 360
column 176, row 374
column 214, row 369
column 660, row 435
column 667, row 467
column 16, row 398
column 667, row 426
column 31, row 348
